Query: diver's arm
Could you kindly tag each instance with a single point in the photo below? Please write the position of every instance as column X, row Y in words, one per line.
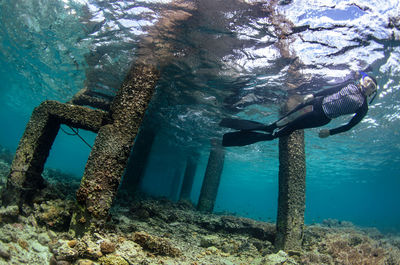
column 360, row 114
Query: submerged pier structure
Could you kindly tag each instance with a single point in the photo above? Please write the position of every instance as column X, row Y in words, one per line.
column 212, row 177
column 117, row 124
column 112, row 147
column 25, row 179
column 116, row 130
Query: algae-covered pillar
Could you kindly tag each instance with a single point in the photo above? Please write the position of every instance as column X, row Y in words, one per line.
column 212, row 177
column 138, row 159
column 112, row 147
column 24, row 179
column 292, row 185
column 190, row 172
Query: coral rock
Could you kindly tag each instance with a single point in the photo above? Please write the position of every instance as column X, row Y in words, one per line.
column 54, row 214
column 107, row 247
column 85, row 262
column 63, row 262
column 4, row 253
column 9, row 213
column 43, row 238
column 156, row 245
column 113, row 260
column 279, row 258
column 130, row 251
column 210, row 240
column 72, row 243
column 66, row 253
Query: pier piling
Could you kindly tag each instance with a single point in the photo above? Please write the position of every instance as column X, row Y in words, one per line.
column 212, row 177
column 291, row 198
column 111, row 149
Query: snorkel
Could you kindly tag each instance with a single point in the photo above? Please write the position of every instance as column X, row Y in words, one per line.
column 364, row 75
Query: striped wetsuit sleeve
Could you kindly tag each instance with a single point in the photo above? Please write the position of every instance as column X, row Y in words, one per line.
column 360, row 114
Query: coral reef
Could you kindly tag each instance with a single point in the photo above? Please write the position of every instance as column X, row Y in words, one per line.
column 347, row 244
column 23, row 242
column 55, row 214
column 157, row 231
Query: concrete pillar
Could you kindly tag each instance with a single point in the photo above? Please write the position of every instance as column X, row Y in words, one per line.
column 292, row 186
column 111, row 149
column 30, row 157
column 212, row 177
column 190, row 172
column 25, row 176
column 175, row 184
column 138, row 160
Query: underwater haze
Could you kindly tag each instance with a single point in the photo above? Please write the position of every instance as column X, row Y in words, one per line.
column 218, row 59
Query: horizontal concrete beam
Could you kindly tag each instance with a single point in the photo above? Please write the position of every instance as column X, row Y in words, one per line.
column 76, row 116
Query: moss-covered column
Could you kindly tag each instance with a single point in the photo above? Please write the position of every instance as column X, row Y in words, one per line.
column 25, row 176
column 292, row 186
column 190, row 172
column 111, row 149
column 138, row 159
column 32, row 152
column 212, row 177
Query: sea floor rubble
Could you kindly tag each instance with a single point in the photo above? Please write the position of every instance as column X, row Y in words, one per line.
column 158, row 231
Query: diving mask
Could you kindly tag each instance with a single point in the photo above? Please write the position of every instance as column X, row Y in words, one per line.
column 369, row 84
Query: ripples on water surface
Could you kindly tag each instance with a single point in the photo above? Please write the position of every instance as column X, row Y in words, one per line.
column 223, row 58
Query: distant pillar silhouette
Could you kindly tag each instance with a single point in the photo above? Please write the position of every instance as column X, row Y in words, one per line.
column 292, row 185
column 212, row 177
column 190, row 172
column 176, row 183
column 138, row 159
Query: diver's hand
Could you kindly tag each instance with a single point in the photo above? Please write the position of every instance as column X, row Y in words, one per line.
column 308, row 98
column 324, row 133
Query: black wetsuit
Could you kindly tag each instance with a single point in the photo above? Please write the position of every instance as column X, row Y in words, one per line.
column 327, row 104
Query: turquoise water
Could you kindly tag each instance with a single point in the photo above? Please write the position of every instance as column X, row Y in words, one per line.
column 226, row 59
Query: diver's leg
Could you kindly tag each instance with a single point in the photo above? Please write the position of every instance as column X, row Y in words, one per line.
column 242, row 138
column 270, row 128
column 298, row 107
column 284, row 131
column 273, row 126
column 284, row 121
column 315, row 118
column 247, row 125
column 297, row 112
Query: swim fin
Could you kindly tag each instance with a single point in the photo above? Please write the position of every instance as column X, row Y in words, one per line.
column 244, row 125
column 243, row 138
